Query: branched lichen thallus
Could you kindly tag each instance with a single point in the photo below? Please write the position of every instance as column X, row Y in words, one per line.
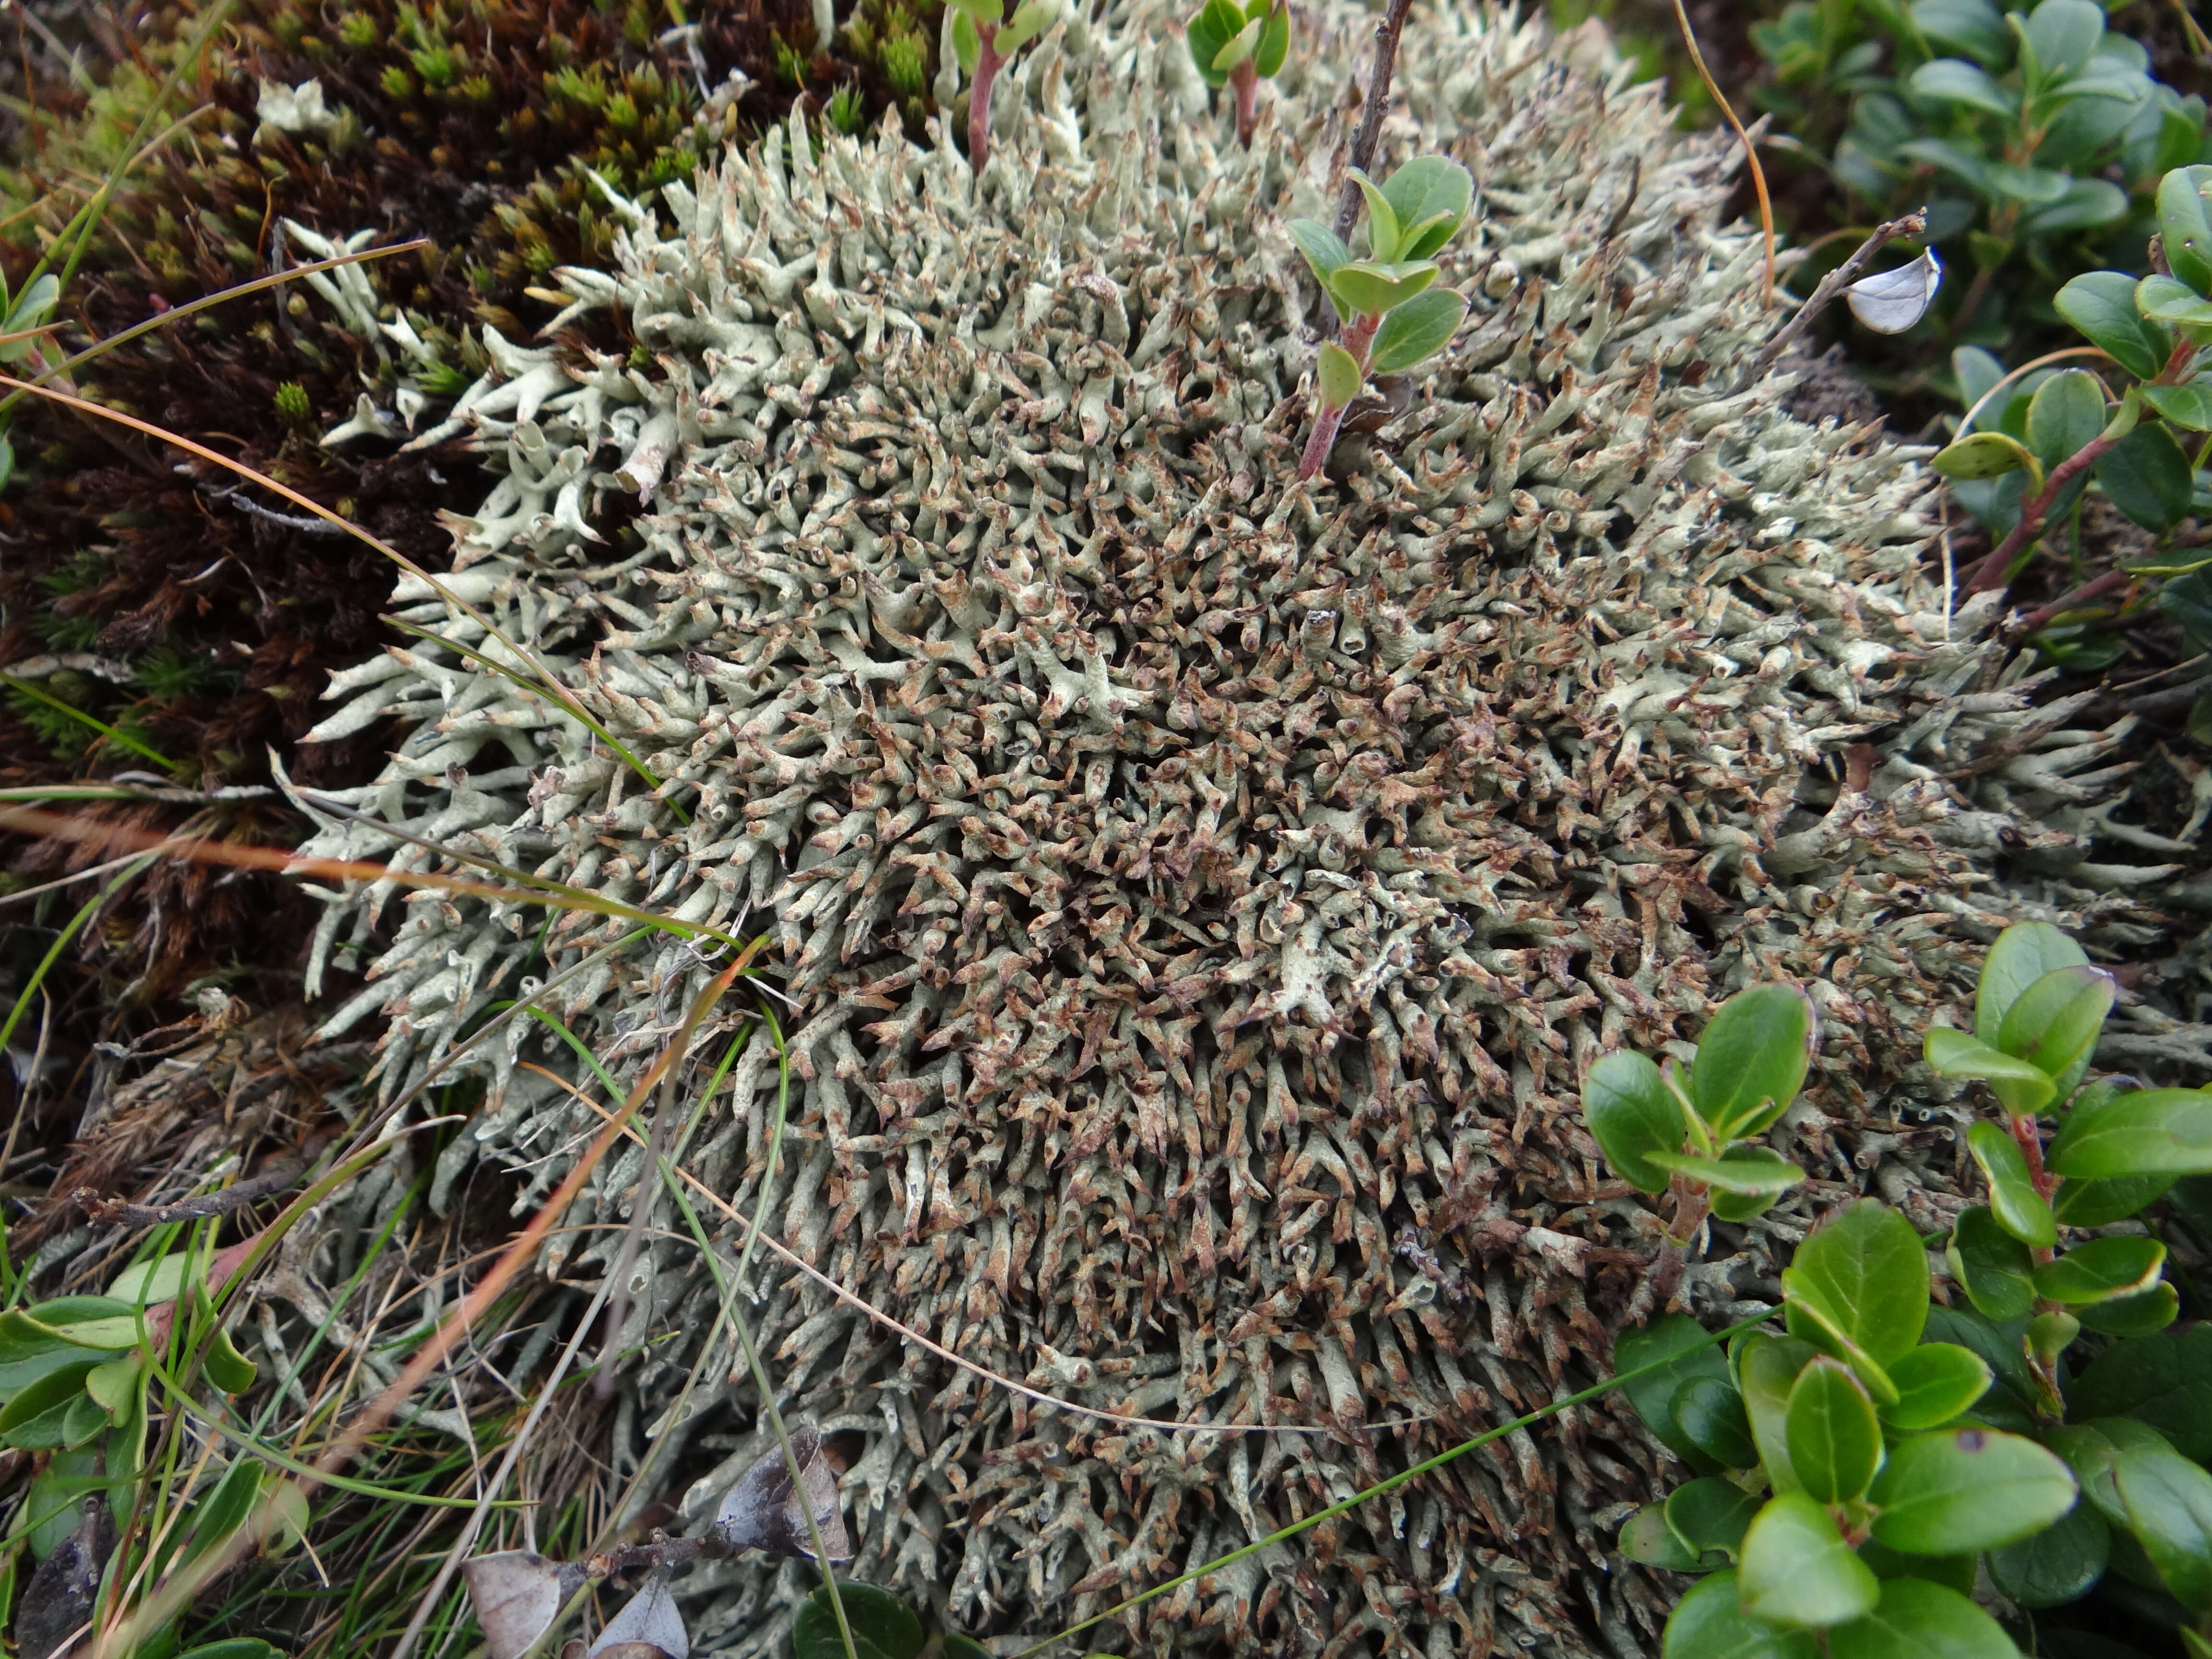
column 1393, row 317
column 984, row 39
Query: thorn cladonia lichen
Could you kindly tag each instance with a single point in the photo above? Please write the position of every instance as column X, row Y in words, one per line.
column 1198, row 892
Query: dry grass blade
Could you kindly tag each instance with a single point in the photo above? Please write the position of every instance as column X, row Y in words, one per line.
column 545, row 683
column 1750, row 150
column 124, row 1637
column 30, row 821
column 162, row 319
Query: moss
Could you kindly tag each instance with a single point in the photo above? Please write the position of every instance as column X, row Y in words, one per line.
column 474, row 127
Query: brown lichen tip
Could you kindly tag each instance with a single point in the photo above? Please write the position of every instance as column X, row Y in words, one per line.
column 1200, row 893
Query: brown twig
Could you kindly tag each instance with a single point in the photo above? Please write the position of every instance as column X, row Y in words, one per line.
column 274, row 1178
column 1912, row 224
column 1369, row 134
column 2041, row 617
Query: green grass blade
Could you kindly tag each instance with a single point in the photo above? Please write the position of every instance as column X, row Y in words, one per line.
column 24, row 688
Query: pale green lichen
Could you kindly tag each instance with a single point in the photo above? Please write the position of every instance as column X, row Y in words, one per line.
column 1199, row 894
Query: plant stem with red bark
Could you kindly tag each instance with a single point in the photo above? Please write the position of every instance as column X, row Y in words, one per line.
column 1244, row 81
column 1358, row 340
column 1995, row 571
column 979, row 97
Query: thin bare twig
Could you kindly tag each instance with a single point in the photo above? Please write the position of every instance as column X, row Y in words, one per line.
column 1368, row 135
column 2095, row 588
column 274, row 1178
column 1912, row 224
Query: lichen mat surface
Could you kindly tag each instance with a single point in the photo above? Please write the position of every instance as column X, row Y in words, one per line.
column 1199, row 894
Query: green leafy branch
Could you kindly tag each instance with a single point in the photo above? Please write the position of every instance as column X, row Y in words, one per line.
column 985, row 37
column 1699, row 1133
column 1239, row 46
column 2045, row 446
column 1392, row 318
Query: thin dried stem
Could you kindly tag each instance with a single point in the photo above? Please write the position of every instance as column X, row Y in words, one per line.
column 275, row 1178
column 174, row 1596
column 1750, row 150
column 1912, row 224
column 1367, row 136
column 31, row 821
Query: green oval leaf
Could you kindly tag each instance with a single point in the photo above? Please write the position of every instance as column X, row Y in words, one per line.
column 1239, row 48
column 2189, row 406
column 1633, row 1116
column 114, row 1386
column 1215, row 26
column 2147, row 1132
column 1982, row 455
column 1653, row 1395
column 2164, row 1381
column 2020, row 1085
column 2066, row 412
column 2100, row 1203
column 1751, row 1060
column 1371, row 287
column 2019, row 1208
column 224, row 1509
column 1994, row 1267
column 1834, row 1438
column 228, row 1368
column 2062, row 34
column 1936, row 1384
column 1708, row 1519
column 1382, row 218
column 1966, row 1489
column 1919, row 1619
column 2058, row 1564
column 2148, row 477
column 1766, row 1369
column 1862, row 1276
column 1323, row 248
column 1710, row 1411
column 1274, row 38
column 34, row 1419
column 1757, row 1170
column 2164, row 300
column 1648, row 1537
column 2185, row 220
column 1417, row 329
column 1431, row 196
column 2139, row 1315
column 2169, row 1506
column 1336, row 375
column 1796, row 1570
column 2100, row 1270
column 883, row 1626
column 2023, row 954
column 1709, row 1622
column 2101, row 304
column 1955, row 81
